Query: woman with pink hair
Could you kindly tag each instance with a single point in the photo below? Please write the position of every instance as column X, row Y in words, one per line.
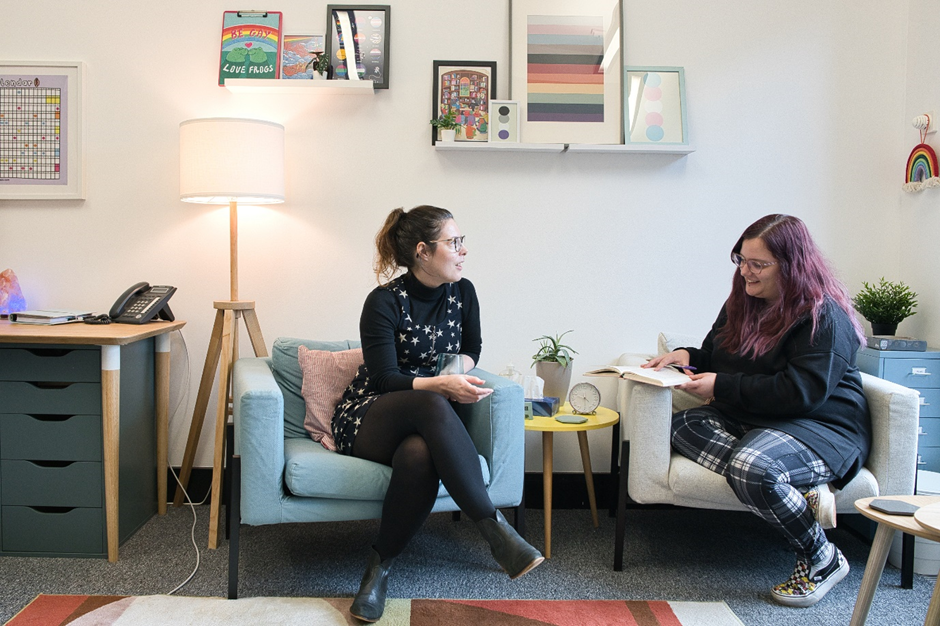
column 785, row 415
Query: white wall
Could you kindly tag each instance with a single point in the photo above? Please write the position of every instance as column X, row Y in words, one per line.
column 793, row 107
column 919, row 217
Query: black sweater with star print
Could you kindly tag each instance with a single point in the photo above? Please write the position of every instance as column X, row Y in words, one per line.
column 391, row 313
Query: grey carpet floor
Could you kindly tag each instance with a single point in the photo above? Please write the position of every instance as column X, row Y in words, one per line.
column 670, row 555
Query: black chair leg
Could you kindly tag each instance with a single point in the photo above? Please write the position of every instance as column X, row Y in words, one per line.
column 519, row 518
column 621, row 506
column 227, row 474
column 234, row 514
column 907, row 561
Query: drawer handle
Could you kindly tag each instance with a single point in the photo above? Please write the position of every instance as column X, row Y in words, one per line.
column 920, row 461
column 50, row 417
column 50, row 385
column 49, row 352
column 52, row 463
column 54, row 510
column 919, row 371
column 923, row 401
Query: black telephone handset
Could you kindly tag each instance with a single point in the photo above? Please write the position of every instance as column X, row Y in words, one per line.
column 141, row 303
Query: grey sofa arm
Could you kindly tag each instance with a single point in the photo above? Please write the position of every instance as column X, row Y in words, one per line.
column 258, row 411
column 646, row 419
column 497, row 427
column 895, row 411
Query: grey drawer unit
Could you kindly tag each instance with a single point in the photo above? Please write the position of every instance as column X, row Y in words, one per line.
column 920, row 371
column 51, row 448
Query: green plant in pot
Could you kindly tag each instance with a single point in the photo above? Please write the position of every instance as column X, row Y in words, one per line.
column 319, row 64
column 553, row 365
column 885, row 305
column 448, row 125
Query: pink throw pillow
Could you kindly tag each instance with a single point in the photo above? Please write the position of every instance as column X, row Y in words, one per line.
column 326, row 376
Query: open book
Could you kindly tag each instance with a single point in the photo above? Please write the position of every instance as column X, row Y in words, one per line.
column 666, row 377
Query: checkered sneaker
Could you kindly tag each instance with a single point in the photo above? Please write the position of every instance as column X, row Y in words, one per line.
column 807, row 586
column 822, row 503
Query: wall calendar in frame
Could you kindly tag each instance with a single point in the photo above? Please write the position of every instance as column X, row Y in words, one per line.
column 41, row 155
column 565, row 70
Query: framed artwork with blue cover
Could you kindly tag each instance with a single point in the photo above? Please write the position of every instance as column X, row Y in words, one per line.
column 464, row 88
column 357, row 37
column 654, row 106
column 565, row 70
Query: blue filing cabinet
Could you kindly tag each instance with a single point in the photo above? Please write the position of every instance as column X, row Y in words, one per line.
column 920, row 371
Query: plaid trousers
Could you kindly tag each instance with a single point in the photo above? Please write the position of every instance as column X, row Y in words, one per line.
column 765, row 468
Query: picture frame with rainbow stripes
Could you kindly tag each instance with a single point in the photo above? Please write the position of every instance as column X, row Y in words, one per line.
column 654, row 106
column 566, row 70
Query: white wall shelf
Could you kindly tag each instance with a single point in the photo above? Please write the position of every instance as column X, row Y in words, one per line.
column 299, row 86
column 468, row 146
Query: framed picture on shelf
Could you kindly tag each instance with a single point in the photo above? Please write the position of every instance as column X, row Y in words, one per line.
column 654, row 105
column 504, row 121
column 464, row 88
column 41, row 153
column 298, row 54
column 357, row 36
column 565, row 70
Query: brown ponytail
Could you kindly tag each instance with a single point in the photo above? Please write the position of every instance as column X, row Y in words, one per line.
column 398, row 239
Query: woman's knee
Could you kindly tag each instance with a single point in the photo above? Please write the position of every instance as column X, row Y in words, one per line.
column 414, row 457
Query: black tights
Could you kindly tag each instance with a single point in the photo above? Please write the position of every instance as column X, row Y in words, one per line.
column 419, row 435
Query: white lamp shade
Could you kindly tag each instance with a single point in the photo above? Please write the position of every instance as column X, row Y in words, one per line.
column 226, row 159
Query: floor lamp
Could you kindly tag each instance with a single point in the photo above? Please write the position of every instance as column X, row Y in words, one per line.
column 226, row 161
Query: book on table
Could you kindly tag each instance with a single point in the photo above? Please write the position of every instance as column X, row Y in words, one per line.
column 49, row 316
column 666, row 377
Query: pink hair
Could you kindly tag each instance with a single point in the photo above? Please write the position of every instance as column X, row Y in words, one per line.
column 756, row 325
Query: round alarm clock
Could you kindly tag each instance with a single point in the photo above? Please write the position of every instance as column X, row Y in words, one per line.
column 584, row 399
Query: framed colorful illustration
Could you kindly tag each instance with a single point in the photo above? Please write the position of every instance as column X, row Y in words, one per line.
column 654, row 105
column 41, row 154
column 298, row 51
column 466, row 89
column 504, row 121
column 358, row 34
column 565, row 69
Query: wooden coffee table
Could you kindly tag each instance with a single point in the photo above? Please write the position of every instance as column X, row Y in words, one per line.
column 548, row 426
column 924, row 523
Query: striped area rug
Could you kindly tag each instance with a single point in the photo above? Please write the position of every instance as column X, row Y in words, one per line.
column 76, row 610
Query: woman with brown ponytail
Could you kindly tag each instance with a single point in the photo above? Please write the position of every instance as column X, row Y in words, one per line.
column 398, row 412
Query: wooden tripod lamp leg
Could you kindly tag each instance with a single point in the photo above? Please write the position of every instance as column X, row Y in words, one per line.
column 221, row 418
column 202, row 404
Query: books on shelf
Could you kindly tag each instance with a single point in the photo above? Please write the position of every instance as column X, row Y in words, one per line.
column 666, row 377
column 49, row 316
column 892, row 342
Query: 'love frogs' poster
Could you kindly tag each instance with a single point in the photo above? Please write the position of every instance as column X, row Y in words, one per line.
column 251, row 45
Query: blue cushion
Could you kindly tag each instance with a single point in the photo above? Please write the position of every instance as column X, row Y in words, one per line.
column 290, row 379
column 312, row 471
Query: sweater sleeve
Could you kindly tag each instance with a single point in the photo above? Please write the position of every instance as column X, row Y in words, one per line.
column 377, row 325
column 813, row 369
column 471, row 342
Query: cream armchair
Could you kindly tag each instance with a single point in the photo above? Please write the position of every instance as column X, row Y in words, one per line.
column 651, row 472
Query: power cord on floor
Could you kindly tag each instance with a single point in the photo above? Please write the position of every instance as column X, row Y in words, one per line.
column 192, row 535
column 192, row 532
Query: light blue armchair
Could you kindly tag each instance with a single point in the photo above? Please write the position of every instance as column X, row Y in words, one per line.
column 278, row 474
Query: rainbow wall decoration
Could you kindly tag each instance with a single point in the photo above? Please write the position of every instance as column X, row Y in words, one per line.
column 922, row 169
column 565, row 82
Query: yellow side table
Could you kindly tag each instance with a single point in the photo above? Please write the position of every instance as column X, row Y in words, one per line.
column 548, row 426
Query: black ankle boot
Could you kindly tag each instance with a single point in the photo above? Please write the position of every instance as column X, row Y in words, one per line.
column 369, row 603
column 511, row 551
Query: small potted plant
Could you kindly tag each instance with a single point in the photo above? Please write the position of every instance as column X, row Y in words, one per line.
column 885, row 305
column 319, row 64
column 553, row 365
column 448, row 125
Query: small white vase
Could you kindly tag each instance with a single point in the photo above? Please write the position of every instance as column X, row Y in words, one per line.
column 448, row 135
column 319, row 75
